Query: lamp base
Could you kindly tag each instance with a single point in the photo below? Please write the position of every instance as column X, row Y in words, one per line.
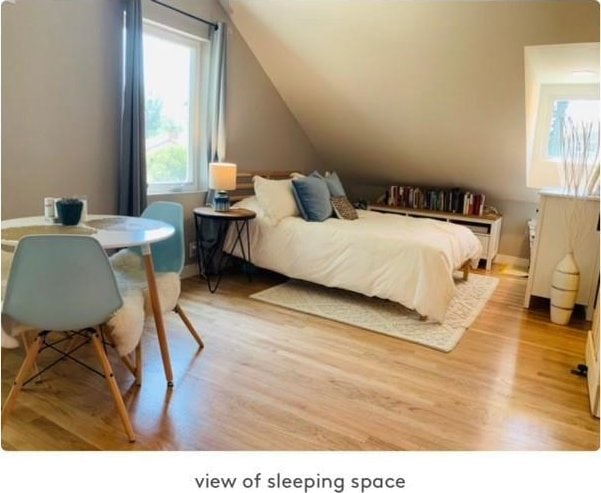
column 221, row 202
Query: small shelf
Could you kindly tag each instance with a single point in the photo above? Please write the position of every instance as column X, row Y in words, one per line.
column 433, row 213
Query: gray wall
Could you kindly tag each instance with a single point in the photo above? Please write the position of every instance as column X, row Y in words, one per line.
column 60, row 103
column 420, row 93
column 61, row 65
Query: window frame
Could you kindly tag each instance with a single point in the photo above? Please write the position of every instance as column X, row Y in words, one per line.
column 196, row 157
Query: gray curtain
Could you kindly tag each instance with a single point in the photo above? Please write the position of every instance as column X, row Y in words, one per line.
column 216, row 95
column 210, row 231
column 132, row 159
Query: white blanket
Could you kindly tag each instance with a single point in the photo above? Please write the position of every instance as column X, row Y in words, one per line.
column 407, row 260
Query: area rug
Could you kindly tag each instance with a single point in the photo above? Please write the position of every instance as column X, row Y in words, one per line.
column 387, row 317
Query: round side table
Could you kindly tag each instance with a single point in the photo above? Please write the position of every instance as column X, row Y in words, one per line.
column 211, row 229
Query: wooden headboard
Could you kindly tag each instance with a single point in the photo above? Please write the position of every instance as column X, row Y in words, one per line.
column 244, row 184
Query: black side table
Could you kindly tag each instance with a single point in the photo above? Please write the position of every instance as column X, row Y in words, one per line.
column 210, row 250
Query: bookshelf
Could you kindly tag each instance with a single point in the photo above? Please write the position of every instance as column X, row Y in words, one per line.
column 487, row 228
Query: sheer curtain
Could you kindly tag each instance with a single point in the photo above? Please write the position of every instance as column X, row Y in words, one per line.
column 211, row 238
column 216, row 94
column 132, row 158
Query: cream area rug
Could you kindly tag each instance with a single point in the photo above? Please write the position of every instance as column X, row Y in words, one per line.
column 387, row 317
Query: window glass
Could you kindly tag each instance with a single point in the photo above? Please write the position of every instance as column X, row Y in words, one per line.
column 579, row 111
column 172, row 109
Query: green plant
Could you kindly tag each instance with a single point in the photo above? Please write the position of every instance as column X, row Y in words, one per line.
column 70, row 200
column 168, row 165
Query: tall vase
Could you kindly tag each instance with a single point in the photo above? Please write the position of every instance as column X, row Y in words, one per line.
column 564, row 289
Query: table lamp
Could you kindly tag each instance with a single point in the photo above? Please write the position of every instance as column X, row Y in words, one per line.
column 222, row 178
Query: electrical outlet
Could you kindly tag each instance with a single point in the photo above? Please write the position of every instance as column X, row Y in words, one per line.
column 192, row 250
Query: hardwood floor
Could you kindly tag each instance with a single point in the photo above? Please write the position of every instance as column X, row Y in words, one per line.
column 274, row 379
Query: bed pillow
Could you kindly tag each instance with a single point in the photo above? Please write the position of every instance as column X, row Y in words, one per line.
column 313, row 198
column 333, row 182
column 343, row 208
column 275, row 198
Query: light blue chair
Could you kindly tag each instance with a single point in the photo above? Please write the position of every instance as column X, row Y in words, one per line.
column 168, row 255
column 62, row 283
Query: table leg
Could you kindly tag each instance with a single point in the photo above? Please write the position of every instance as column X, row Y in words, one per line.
column 157, row 313
column 199, row 249
column 209, row 255
column 250, row 266
column 240, row 225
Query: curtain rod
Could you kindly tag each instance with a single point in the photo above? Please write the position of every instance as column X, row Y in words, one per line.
column 212, row 24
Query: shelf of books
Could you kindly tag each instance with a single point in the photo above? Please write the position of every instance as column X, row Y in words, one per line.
column 453, row 200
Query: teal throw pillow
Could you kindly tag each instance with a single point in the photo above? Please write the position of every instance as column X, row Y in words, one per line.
column 333, row 182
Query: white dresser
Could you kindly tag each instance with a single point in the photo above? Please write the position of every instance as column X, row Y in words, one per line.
column 551, row 244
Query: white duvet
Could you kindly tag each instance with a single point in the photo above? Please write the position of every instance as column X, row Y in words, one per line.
column 407, row 260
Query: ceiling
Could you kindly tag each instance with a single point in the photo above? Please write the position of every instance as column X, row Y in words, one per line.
column 411, row 92
column 564, row 64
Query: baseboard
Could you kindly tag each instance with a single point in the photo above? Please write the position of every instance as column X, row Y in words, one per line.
column 511, row 260
column 189, row 270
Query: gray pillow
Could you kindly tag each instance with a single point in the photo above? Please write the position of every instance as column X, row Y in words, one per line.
column 333, row 182
column 313, row 198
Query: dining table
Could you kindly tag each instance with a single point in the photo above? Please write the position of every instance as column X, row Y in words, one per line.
column 112, row 232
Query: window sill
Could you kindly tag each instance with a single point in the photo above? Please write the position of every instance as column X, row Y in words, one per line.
column 163, row 193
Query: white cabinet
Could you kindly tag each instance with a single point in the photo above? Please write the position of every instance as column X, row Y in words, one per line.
column 551, row 244
column 486, row 228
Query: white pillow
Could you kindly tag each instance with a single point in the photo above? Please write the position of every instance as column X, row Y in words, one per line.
column 275, row 198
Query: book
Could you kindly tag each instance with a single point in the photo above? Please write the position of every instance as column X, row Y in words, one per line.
column 453, row 200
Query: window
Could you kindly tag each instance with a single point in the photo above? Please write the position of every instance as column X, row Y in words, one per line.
column 584, row 110
column 172, row 86
column 557, row 102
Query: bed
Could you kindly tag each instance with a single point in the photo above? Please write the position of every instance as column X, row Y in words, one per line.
column 406, row 260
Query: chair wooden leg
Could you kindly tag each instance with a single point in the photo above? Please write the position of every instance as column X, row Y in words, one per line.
column 128, row 364
column 26, row 345
column 188, row 324
column 110, row 379
column 24, row 371
column 138, row 358
column 125, row 359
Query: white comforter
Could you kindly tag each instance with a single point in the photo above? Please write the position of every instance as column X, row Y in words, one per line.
column 407, row 260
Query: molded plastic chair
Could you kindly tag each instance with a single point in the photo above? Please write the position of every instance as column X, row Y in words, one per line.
column 62, row 283
column 168, row 255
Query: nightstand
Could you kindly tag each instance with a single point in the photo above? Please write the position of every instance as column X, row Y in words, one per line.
column 211, row 229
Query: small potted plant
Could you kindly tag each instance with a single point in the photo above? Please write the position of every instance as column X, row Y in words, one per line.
column 69, row 211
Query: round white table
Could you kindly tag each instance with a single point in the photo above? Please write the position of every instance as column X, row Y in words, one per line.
column 111, row 232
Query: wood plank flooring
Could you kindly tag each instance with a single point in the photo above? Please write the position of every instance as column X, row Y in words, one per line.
column 274, row 379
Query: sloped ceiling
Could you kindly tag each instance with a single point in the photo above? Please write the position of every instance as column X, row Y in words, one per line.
column 410, row 91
